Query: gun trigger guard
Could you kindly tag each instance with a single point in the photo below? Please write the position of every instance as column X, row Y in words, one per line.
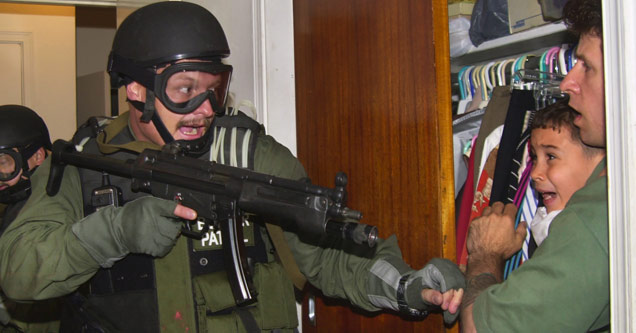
column 192, row 234
column 187, row 231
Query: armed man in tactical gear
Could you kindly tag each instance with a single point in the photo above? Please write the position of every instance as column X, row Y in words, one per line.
column 24, row 144
column 122, row 260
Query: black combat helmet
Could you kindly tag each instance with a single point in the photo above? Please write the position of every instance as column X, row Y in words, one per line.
column 167, row 31
column 161, row 34
column 21, row 127
column 23, row 130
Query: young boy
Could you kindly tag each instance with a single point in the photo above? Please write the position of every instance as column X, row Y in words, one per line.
column 561, row 163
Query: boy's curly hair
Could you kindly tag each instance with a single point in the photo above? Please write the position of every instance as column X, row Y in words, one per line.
column 560, row 116
column 557, row 116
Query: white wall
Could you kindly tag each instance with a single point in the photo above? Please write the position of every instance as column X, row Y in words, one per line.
column 619, row 51
column 236, row 19
column 50, row 85
column 261, row 38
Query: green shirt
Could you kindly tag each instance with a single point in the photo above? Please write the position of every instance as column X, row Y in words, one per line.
column 564, row 287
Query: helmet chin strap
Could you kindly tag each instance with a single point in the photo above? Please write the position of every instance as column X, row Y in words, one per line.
column 16, row 193
column 149, row 113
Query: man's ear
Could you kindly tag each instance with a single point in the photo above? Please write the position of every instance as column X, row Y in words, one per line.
column 37, row 158
column 136, row 92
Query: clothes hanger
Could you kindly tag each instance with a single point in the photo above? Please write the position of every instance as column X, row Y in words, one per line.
column 502, row 71
column 460, row 81
column 501, row 76
column 562, row 67
column 489, row 84
column 492, row 75
column 550, row 58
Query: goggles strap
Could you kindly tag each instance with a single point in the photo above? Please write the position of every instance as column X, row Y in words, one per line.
column 149, row 107
column 26, row 154
column 139, row 106
column 149, row 113
column 114, row 93
column 161, row 128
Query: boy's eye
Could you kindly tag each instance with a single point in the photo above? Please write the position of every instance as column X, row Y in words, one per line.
column 550, row 156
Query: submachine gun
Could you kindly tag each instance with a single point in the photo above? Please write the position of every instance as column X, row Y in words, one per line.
column 222, row 196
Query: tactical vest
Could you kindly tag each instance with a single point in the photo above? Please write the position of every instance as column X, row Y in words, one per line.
column 136, row 293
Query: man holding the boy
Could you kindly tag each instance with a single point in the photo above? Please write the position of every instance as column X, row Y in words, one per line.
column 565, row 286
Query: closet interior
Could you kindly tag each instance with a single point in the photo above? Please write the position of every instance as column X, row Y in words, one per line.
column 496, row 88
column 377, row 96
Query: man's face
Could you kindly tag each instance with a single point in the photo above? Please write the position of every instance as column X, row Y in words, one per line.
column 8, row 165
column 188, row 126
column 560, row 166
column 585, row 86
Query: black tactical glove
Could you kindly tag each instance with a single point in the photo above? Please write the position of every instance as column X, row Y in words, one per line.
column 146, row 225
column 439, row 274
column 394, row 285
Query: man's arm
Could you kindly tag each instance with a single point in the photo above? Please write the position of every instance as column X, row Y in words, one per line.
column 338, row 272
column 492, row 238
column 51, row 248
column 39, row 255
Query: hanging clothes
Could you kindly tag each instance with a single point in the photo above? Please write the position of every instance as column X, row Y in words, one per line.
column 465, row 128
column 484, row 148
column 520, row 102
column 481, row 200
column 498, row 168
column 494, row 117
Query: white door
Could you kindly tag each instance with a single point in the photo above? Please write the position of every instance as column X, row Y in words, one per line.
column 12, row 69
column 37, row 62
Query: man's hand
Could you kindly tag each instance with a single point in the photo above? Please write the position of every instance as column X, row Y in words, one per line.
column 439, row 284
column 494, row 233
column 185, row 212
column 146, row 225
column 492, row 238
column 448, row 301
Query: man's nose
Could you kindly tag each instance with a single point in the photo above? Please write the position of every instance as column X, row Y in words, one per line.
column 570, row 84
column 204, row 109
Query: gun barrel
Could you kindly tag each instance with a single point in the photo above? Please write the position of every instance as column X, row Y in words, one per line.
column 123, row 168
column 357, row 232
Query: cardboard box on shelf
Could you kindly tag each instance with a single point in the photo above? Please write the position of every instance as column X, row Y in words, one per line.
column 524, row 14
column 552, row 9
column 460, row 8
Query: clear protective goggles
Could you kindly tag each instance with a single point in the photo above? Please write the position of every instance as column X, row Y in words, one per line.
column 183, row 87
column 10, row 164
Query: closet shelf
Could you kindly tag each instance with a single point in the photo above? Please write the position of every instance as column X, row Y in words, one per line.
column 526, row 41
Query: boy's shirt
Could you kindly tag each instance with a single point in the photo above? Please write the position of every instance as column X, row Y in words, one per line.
column 540, row 224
